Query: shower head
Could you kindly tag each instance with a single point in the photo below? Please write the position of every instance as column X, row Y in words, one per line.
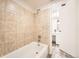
column 37, row 11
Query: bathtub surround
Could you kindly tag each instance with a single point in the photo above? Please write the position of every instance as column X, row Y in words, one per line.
column 42, row 26
column 19, row 26
column 16, row 26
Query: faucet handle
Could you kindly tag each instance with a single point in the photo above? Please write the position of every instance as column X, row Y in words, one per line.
column 38, row 40
column 39, row 37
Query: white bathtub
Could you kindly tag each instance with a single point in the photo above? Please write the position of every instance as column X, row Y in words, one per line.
column 31, row 50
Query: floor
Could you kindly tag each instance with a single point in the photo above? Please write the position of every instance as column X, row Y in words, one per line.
column 57, row 53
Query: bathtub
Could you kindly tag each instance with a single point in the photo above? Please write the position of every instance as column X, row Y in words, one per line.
column 32, row 50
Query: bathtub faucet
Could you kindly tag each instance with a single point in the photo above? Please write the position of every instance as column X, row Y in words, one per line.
column 39, row 39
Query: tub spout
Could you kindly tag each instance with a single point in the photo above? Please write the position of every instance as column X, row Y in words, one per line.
column 39, row 39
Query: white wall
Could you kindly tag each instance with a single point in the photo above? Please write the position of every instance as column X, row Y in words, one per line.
column 68, row 37
column 78, row 28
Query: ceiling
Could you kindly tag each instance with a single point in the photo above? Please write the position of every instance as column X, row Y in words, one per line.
column 35, row 3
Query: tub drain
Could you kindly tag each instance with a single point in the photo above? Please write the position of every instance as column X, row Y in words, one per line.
column 36, row 52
